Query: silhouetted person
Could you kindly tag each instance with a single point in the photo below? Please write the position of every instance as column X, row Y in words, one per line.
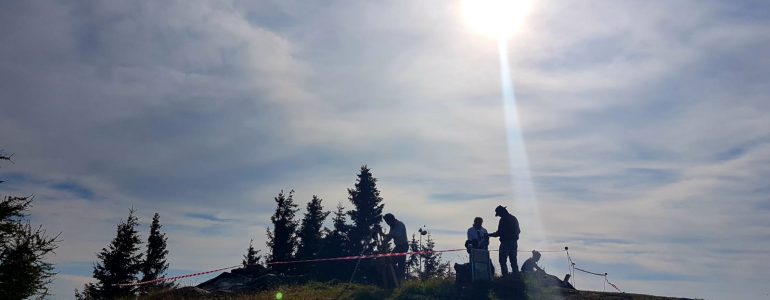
column 530, row 265
column 530, row 269
column 478, row 237
column 508, row 232
column 397, row 233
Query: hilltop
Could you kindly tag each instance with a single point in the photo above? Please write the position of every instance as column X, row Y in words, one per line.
column 437, row 288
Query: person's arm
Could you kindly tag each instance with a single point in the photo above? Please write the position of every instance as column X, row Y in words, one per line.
column 499, row 228
column 386, row 237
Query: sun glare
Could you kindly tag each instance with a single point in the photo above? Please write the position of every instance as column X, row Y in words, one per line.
column 497, row 19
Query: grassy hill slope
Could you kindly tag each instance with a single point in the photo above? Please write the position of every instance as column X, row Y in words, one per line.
column 430, row 289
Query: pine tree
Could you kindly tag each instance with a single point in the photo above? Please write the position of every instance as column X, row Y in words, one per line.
column 338, row 238
column 24, row 271
column 311, row 233
column 155, row 265
column 119, row 264
column 367, row 212
column 282, row 241
column 413, row 263
column 432, row 265
column 252, row 256
column 336, row 243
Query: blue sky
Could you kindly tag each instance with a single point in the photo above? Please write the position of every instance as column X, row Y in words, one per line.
column 645, row 124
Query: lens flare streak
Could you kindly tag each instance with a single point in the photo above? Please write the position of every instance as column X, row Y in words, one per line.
column 525, row 200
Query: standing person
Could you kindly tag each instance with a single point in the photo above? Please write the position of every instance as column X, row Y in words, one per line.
column 397, row 233
column 478, row 237
column 508, row 232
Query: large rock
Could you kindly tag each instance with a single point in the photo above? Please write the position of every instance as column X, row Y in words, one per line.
column 249, row 279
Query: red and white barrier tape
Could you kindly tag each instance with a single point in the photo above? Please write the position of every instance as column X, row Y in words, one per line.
column 362, row 256
column 589, row 272
column 175, row 278
column 598, row 274
column 613, row 285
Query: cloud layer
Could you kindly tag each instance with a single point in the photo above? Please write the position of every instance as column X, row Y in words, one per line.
column 645, row 125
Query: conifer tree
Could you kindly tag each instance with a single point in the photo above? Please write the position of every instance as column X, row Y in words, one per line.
column 367, row 212
column 336, row 243
column 413, row 263
column 311, row 233
column 338, row 237
column 252, row 256
column 119, row 263
column 432, row 264
column 282, row 240
column 24, row 271
column 155, row 264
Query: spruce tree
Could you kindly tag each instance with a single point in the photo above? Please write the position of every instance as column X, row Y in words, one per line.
column 413, row 263
column 119, row 263
column 432, row 264
column 155, row 265
column 311, row 233
column 252, row 256
column 338, row 239
column 24, row 271
column 282, row 241
column 336, row 243
column 367, row 212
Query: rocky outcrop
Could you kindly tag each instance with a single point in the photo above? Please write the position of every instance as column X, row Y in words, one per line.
column 250, row 279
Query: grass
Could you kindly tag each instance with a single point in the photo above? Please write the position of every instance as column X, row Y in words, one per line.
column 437, row 288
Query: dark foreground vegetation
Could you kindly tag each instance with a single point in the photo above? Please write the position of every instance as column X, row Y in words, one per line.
column 437, row 288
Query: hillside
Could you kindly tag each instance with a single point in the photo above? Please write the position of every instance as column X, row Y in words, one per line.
column 415, row 289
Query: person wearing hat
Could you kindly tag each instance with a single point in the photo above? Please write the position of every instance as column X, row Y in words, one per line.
column 508, row 232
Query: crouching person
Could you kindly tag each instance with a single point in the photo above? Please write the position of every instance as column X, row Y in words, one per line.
column 532, row 270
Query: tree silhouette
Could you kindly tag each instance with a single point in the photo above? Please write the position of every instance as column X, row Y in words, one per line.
column 282, row 241
column 119, row 263
column 336, row 243
column 367, row 212
column 24, row 271
column 310, row 233
column 432, row 265
column 413, row 263
column 366, row 216
column 155, row 265
column 252, row 256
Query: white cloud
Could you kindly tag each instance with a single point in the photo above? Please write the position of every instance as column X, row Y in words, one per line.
column 646, row 130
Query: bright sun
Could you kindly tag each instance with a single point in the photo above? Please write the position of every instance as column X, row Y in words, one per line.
column 497, row 19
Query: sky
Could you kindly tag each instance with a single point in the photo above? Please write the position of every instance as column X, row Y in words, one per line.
column 645, row 124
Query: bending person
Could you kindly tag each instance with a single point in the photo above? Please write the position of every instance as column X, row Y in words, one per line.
column 397, row 233
column 530, row 265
